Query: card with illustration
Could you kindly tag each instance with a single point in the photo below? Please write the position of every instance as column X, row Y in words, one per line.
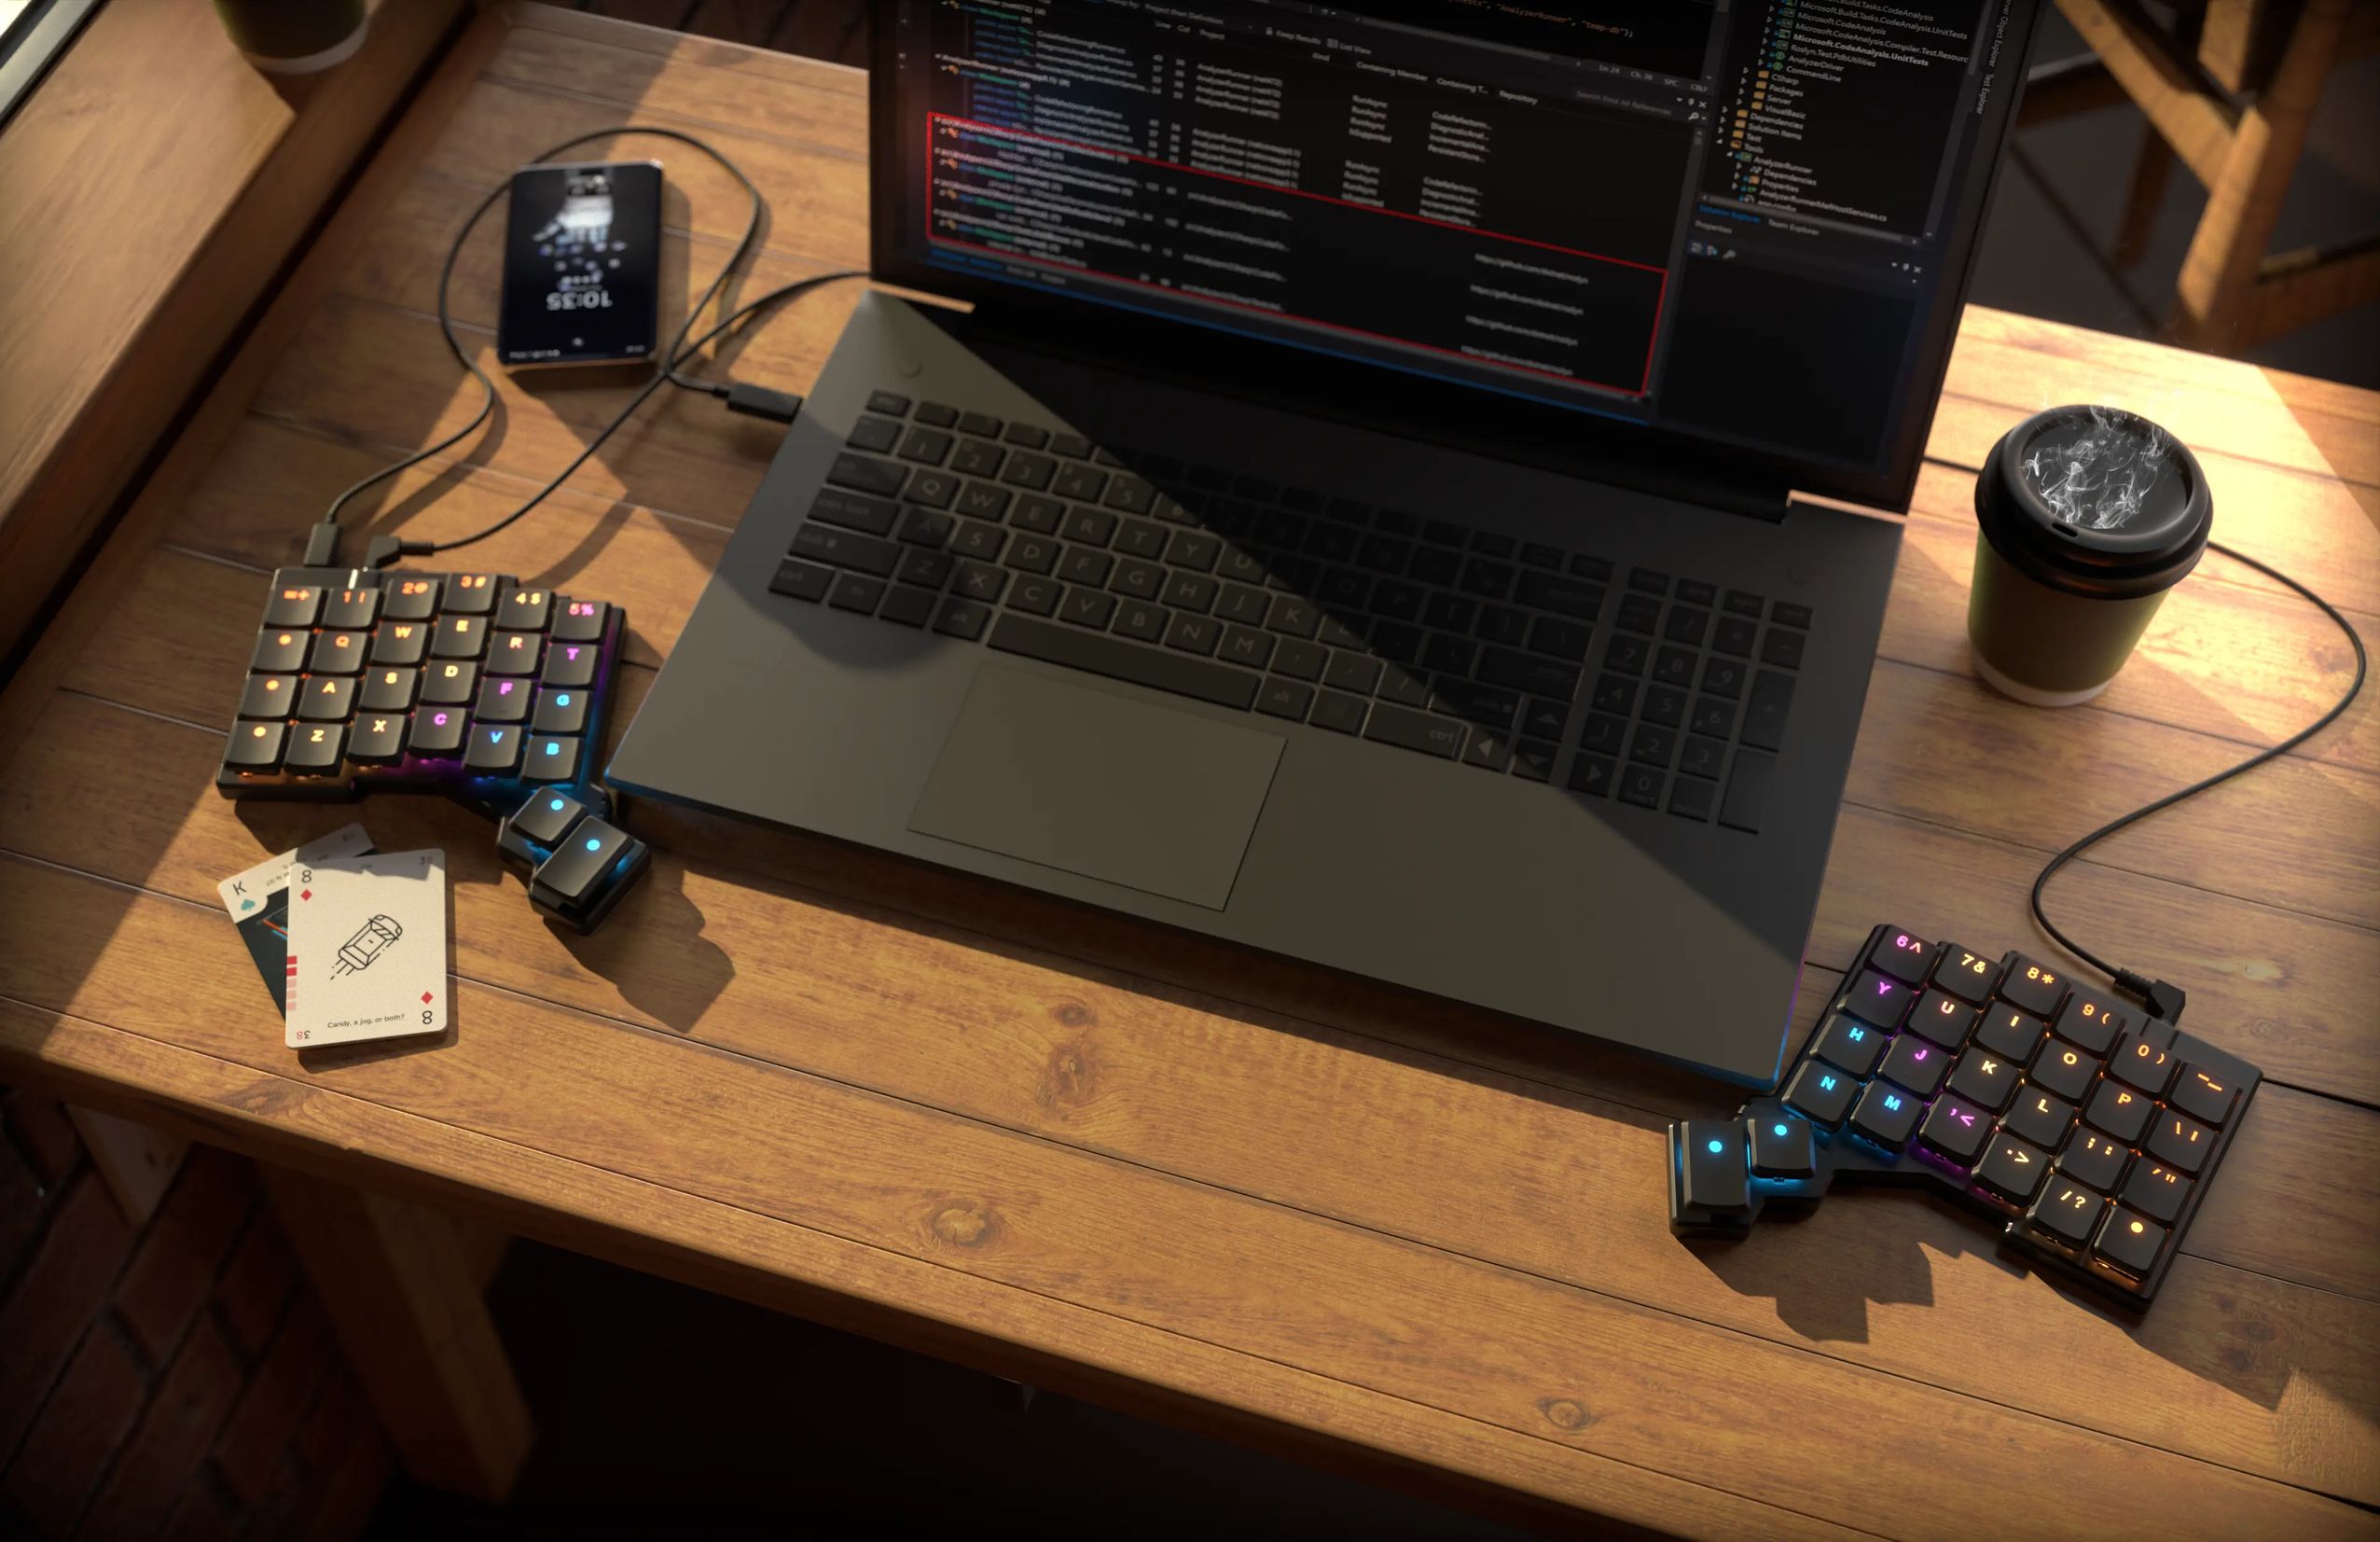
column 368, row 948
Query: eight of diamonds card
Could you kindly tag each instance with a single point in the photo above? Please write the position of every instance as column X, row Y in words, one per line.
column 368, row 948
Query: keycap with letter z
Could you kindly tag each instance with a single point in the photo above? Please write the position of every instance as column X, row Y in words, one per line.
column 2085, row 1127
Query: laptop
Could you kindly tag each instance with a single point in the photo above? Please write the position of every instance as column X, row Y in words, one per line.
column 1409, row 488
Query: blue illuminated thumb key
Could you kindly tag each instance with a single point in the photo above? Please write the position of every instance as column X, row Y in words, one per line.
column 546, row 818
column 590, row 869
column 1782, row 1147
column 1713, row 1154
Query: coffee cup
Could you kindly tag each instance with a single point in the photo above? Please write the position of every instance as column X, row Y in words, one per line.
column 295, row 36
column 2085, row 517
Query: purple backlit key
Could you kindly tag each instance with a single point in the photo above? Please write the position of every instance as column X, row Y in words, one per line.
column 1879, row 999
column 1904, row 956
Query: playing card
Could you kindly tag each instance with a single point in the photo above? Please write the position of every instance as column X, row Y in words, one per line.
column 368, row 948
column 257, row 901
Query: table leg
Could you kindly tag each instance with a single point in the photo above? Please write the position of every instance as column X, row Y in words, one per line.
column 2217, row 290
column 404, row 1292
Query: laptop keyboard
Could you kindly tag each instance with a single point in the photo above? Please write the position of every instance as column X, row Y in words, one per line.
column 1422, row 634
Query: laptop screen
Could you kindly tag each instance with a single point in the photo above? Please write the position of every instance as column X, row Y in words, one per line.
column 1742, row 221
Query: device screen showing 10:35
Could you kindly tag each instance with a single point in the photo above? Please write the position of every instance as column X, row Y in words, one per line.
column 582, row 264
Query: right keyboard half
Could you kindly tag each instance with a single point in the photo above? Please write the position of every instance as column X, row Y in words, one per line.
column 2091, row 1130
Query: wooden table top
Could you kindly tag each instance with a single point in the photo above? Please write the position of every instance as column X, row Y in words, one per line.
column 1382, row 1231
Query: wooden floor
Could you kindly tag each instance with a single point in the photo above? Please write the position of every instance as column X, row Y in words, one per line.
column 1173, row 1176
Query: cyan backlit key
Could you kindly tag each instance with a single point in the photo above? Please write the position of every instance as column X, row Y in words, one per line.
column 1713, row 1154
column 1782, row 1147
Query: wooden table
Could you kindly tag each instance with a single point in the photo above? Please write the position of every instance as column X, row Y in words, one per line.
column 1383, row 1231
column 120, row 290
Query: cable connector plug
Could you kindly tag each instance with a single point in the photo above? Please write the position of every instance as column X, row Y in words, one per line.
column 758, row 401
column 322, row 546
column 2161, row 999
column 383, row 549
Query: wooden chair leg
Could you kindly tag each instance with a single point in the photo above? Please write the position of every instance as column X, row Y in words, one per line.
column 404, row 1295
column 2152, row 171
column 2216, row 294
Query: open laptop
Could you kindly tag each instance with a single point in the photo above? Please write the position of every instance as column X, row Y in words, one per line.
column 1357, row 518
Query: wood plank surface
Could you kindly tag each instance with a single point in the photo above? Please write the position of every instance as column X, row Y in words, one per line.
column 888, row 1293
column 1193, row 1258
column 1385, row 1231
column 102, row 338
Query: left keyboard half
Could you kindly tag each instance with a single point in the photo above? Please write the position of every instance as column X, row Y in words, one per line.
column 473, row 685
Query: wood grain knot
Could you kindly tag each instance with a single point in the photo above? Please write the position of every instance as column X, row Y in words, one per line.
column 967, row 1223
column 1067, row 1076
column 268, row 1095
column 1562, row 1414
column 1074, row 1014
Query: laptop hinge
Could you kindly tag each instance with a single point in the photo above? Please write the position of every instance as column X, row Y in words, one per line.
column 1761, row 499
column 1757, row 499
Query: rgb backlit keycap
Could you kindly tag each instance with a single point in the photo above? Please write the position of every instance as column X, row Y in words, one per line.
column 1851, row 1045
column 2068, row 1213
column 1880, row 999
column 1943, row 1018
column 1782, row 1147
column 1916, row 1064
column 1886, row 1114
column 1967, row 976
column 1820, row 1091
column 2034, row 987
column 2203, row 1096
column 1904, row 956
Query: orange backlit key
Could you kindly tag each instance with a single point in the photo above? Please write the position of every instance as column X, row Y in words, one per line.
column 293, row 606
column 281, row 650
column 2006, row 1031
column 2181, row 1141
column 2095, row 1159
column 2142, row 1062
column 2035, row 987
column 2065, row 1070
column 1970, row 977
column 2129, row 1241
column 1943, row 1018
column 352, row 609
column 2088, row 1020
column 2067, row 1212
column 411, row 600
column 2200, row 1092
column 2157, row 1191
column 2121, row 1111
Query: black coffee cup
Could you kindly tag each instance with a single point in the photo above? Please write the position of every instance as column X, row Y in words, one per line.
column 2086, row 516
column 295, row 36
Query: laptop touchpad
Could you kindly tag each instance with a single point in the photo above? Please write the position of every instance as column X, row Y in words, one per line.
column 1100, row 785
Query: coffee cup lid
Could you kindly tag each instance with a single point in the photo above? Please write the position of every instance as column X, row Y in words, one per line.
column 2094, row 501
